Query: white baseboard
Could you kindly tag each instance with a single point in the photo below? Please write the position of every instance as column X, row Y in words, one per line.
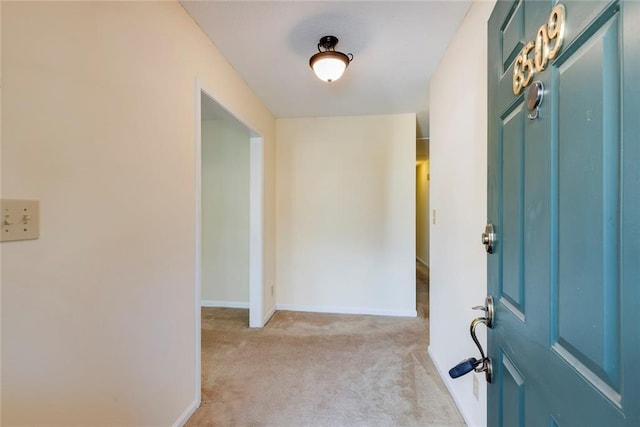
column 421, row 261
column 224, row 304
column 444, row 374
column 184, row 417
column 269, row 315
column 347, row 310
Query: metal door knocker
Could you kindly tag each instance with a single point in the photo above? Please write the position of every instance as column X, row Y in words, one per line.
column 534, row 99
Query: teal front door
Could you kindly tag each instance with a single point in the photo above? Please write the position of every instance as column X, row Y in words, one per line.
column 564, row 197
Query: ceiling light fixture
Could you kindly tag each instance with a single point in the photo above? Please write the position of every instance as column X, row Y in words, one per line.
column 329, row 64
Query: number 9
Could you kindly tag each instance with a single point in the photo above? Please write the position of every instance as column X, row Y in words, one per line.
column 555, row 29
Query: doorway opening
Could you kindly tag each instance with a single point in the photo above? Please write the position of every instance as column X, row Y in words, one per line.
column 422, row 227
column 229, row 223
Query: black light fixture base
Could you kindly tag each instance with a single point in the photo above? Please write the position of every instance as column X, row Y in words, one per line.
column 328, row 43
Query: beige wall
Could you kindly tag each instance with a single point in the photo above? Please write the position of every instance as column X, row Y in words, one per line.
column 346, row 214
column 98, row 124
column 458, row 161
column 1, row 133
column 225, row 214
column 422, row 211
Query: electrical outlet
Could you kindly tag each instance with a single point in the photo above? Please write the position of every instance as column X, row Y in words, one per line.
column 433, row 217
column 271, row 290
column 475, row 385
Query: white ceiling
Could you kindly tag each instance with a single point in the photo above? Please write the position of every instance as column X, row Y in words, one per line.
column 396, row 47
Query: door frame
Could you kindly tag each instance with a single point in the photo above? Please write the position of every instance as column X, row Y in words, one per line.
column 256, row 226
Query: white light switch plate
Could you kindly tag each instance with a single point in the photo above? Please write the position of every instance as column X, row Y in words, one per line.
column 20, row 219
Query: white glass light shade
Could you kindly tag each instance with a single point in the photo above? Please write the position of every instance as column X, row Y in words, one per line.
column 329, row 66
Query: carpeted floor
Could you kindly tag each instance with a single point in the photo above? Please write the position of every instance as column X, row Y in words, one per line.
column 307, row 369
column 422, row 291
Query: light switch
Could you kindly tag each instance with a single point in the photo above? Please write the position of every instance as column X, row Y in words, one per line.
column 20, row 219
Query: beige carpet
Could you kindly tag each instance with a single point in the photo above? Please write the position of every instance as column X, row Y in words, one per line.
column 307, row 369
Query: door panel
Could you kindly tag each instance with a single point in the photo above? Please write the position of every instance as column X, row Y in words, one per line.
column 586, row 322
column 512, row 208
column 512, row 32
column 564, row 196
column 512, row 391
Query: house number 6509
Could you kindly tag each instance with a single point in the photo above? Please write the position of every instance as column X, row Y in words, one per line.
column 525, row 67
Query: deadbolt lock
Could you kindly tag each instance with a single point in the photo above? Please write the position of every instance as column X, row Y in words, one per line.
column 489, row 238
